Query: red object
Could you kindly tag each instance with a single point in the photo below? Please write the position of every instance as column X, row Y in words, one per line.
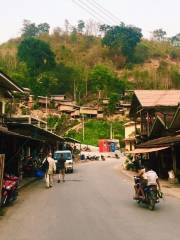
column 9, row 190
column 103, row 145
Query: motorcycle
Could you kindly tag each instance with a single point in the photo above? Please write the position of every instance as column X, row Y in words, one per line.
column 9, row 190
column 151, row 195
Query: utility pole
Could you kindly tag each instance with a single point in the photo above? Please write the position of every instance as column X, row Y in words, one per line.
column 86, row 80
column 111, row 130
column 74, row 90
column 46, row 106
column 86, row 87
column 46, row 111
column 83, row 126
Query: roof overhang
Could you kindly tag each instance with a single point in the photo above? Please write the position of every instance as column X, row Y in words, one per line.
column 8, row 84
column 5, row 131
column 147, row 150
column 34, row 132
column 71, row 140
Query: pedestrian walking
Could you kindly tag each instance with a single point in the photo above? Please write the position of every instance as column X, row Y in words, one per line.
column 50, row 164
column 61, row 168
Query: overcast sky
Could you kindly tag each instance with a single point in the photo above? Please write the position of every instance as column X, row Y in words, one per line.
column 146, row 14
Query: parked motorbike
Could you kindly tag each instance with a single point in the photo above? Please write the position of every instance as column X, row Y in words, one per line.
column 9, row 190
column 103, row 158
column 152, row 195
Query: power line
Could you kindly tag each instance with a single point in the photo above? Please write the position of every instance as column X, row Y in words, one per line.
column 104, row 11
column 107, row 11
column 91, row 14
column 96, row 11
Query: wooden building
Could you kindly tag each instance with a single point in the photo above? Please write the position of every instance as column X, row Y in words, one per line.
column 147, row 105
column 130, row 135
column 43, row 101
column 17, row 148
column 90, row 112
column 158, row 113
column 7, row 88
column 163, row 153
column 66, row 108
column 12, row 144
column 56, row 99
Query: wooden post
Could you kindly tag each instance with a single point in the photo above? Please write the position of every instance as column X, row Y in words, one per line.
column 147, row 116
column 3, row 107
column 39, row 123
column 174, row 159
column 29, row 120
column 2, row 157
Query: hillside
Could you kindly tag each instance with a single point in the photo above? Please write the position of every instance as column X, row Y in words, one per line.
column 82, row 65
column 98, row 129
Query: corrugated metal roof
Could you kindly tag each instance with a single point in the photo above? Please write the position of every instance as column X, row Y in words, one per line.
column 41, row 133
column 146, row 150
column 5, row 131
column 161, row 142
column 152, row 98
column 7, row 83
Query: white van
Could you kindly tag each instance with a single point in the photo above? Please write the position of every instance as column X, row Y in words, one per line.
column 67, row 156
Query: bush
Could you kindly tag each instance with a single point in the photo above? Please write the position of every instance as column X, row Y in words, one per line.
column 175, row 53
column 130, row 163
column 141, row 53
column 36, row 106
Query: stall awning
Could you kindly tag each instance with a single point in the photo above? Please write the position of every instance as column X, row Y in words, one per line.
column 5, row 131
column 71, row 140
column 146, row 150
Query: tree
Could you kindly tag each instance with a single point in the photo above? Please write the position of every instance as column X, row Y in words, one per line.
column 36, row 54
column 81, row 26
column 159, row 34
column 141, row 53
column 113, row 101
column 104, row 28
column 74, row 35
column 31, row 30
column 103, row 79
column 175, row 77
column 122, row 39
column 67, row 26
column 92, row 28
column 176, row 40
column 47, row 83
column 43, row 28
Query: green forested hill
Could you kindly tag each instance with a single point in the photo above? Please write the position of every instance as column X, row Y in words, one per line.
column 98, row 129
column 82, row 60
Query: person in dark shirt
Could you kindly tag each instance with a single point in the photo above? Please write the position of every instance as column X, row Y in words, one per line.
column 61, row 168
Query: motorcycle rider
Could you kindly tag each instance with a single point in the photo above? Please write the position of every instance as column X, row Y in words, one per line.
column 147, row 177
column 152, row 178
column 140, row 185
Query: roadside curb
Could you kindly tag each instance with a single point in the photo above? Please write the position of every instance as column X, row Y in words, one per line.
column 27, row 183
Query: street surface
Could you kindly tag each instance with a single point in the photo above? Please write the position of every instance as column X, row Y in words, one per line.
column 95, row 203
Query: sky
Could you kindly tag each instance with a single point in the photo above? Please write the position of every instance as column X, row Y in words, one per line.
column 145, row 14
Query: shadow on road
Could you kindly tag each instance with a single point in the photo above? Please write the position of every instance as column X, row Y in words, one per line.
column 74, row 180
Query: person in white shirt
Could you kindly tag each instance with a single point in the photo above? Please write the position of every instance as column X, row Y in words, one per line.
column 50, row 170
column 152, row 178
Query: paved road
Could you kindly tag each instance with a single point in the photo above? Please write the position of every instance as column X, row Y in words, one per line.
column 95, row 203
